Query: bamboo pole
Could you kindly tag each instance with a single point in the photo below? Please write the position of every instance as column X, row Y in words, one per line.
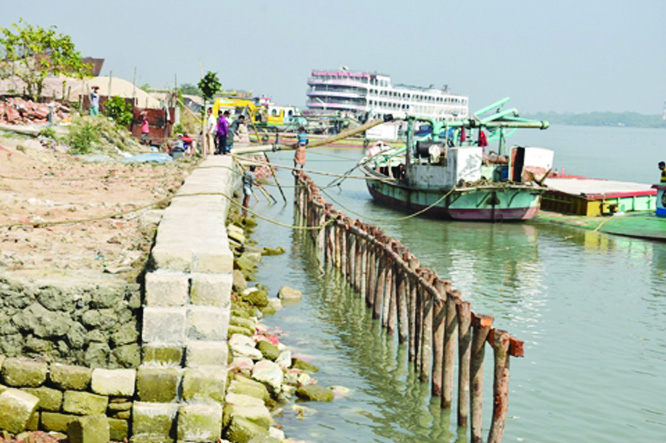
column 426, row 340
column 501, row 341
column 450, row 342
column 413, row 263
column 438, row 341
column 480, row 328
column 403, row 322
column 379, row 287
column 388, row 290
column 372, row 277
column 277, row 182
column 464, row 354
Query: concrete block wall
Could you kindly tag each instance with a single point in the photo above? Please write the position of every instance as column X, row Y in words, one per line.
column 182, row 379
column 37, row 395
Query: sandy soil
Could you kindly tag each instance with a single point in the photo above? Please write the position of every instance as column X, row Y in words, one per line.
column 39, row 185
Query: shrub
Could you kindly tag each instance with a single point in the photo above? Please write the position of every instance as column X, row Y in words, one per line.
column 82, row 136
column 48, row 132
column 119, row 110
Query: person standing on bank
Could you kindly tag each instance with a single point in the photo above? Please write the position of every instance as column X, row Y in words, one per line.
column 233, row 130
column 94, row 101
column 301, row 143
column 211, row 130
column 662, row 167
column 222, row 132
column 248, row 180
column 145, row 128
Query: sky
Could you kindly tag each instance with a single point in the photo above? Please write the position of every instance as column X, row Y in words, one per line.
column 557, row 55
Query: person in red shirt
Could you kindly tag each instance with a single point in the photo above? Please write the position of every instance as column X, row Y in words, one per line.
column 145, row 128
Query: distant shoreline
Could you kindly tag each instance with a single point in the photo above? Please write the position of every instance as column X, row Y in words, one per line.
column 606, row 119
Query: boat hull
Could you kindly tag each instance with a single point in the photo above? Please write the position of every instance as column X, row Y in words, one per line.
column 487, row 203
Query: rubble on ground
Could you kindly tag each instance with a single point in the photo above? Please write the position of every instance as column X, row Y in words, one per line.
column 17, row 111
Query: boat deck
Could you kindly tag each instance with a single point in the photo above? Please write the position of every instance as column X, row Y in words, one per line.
column 590, row 196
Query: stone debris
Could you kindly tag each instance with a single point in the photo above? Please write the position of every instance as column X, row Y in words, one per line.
column 17, row 111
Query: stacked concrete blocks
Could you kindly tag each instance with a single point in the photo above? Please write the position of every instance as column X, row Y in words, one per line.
column 181, row 382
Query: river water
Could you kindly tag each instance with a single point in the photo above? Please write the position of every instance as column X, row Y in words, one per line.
column 590, row 307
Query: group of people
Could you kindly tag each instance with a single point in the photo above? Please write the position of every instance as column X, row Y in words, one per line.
column 220, row 133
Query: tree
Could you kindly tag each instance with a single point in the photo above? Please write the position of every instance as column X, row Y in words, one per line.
column 209, row 86
column 33, row 53
column 190, row 89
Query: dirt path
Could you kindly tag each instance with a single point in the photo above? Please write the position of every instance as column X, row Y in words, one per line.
column 39, row 185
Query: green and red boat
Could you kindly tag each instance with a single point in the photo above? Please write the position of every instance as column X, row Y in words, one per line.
column 446, row 170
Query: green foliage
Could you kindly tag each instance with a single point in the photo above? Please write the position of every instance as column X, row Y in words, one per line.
column 145, row 87
column 83, row 135
column 119, row 110
column 632, row 119
column 190, row 89
column 209, row 85
column 33, row 53
column 48, row 132
column 178, row 129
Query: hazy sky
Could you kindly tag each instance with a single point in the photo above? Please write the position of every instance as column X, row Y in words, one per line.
column 557, row 55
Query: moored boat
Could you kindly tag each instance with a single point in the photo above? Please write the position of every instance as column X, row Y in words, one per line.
column 445, row 171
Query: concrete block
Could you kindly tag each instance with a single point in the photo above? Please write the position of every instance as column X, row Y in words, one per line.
column 157, row 384
column 24, row 372
column 171, row 258
column 116, row 382
column 163, row 355
column 206, row 353
column 49, row 399
column 33, row 422
column 118, row 429
column 218, row 261
column 166, row 289
column 243, row 430
column 154, row 421
column 211, row 289
column 84, row 403
column 56, row 422
column 164, row 325
column 89, row 429
column 16, row 409
column 204, row 384
column 207, row 323
column 70, row 377
column 199, row 422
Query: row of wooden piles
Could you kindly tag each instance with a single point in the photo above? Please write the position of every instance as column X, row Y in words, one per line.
column 427, row 314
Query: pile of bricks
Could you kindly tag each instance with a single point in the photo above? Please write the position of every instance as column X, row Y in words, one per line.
column 16, row 111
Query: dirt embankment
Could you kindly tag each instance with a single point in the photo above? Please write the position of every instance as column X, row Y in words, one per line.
column 40, row 186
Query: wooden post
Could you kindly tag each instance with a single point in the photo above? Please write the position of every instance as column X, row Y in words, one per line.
column 439, row 302
column 381, row 282
column 500, row 386
column 372, row 276
column 393, row 304
column 427, row 307
column 403, row 322
column 412, row 263
column 450, row 342
column 464, row 354
column 343, row 248
column 388, row 289
column 364, row 267
column 480, row 328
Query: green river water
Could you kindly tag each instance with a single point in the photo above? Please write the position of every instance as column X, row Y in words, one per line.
column 590, row 307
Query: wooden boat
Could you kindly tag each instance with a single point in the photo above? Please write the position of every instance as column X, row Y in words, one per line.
column 447, row 175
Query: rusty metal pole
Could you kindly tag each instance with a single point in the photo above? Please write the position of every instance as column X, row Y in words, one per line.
column 480, row 328
column 500, row 386
column 464, row 354
column 450, row 342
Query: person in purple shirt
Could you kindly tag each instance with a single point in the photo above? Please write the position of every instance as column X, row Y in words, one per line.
column 222, row 132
